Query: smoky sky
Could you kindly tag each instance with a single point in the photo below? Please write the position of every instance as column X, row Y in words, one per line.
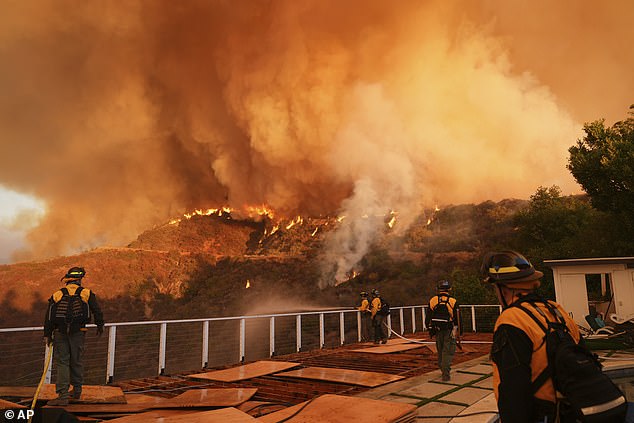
column 120, row 115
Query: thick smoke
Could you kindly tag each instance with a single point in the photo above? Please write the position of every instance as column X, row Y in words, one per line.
column 119, row 115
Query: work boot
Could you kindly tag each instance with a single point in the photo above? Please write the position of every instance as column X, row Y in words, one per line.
column 445, row 377
column 75, row 394
column 384, row 341
column 62, row 401
column 377, row 342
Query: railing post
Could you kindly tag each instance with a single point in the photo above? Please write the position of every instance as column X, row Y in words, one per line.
column 473, row 319
column 358, row 326
column 413, row 319
column 342, row 328
column 162, row 345
column 272, row 336
column 422, row 309
column 112, row 342
column 48, row 349
column 400, row 312
column 298, row 330
column 389, row 325
column 205, row 354
column 243, row 335
column 322, row 340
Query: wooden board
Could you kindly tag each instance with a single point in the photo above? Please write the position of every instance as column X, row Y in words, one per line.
column 342, row 409
column 102, row 408
column 89, row 394
column 213, row 397
column 6, row 405
column 223, row 415
column 143, row 399
column 248, row 371
column 387, row 349
column 351, row 377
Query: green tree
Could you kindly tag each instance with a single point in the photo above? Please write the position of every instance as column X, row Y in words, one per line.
column 603, row 164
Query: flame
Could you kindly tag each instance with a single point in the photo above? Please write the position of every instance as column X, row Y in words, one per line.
column 297, row 221
column 315, row 231
column 340, row 218
column 261, row 210
column 275, row 228
column 392, row 221
column 429, row 221
column 436, row 209
column 248, row 284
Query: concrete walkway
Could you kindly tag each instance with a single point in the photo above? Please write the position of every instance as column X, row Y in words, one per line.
column 470, row 390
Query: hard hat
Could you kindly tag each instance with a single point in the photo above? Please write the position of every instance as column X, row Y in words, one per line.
column 375, row 292
column 443, row 285
column 75, row 273
column 364, row 294
column 510, row 268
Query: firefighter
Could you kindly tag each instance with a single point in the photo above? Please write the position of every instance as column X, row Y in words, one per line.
column 443, row 322
column 69, row 310
column 366, row 317
column 518, row 353
column 380, row 334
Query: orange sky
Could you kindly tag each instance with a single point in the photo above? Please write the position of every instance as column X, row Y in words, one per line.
column 119, row 115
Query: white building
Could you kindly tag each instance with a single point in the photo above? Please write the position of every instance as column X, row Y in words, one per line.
column 605, row 283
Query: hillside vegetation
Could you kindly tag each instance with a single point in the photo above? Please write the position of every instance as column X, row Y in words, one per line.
column 217, row 266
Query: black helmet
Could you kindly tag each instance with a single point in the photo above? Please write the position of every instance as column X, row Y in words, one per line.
column 364, row 294
column 508, row 268
column 375, row 292
column 75, row 273
column 443, row 285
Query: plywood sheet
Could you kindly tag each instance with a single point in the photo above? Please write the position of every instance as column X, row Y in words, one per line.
column 102, row 408
column 432, row 347
column 143, row 399
column 223, row 415
column 5, row 405
column 248, row 371
column 387, row 349
column 351, row 377
column 342, row 409
column 213, row 397
column 89, row 393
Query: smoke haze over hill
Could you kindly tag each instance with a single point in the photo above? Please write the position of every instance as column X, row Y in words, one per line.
column 120, row 115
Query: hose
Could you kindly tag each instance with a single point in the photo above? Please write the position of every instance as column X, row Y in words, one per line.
column 432, row 342
column 47, row 363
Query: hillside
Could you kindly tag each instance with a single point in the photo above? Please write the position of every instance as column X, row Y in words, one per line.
column 201, row 266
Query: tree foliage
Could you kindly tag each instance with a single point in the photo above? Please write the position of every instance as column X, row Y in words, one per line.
column 603, row 164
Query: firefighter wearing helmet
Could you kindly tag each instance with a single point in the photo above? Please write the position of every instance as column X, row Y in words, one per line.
column 443, row 322
column 378, row 317
column 69, row 310
column 523, row 388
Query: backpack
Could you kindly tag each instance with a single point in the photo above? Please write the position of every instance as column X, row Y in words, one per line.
column 576, row 373
column 440, row 315
column 385, row 308
column 70, row 310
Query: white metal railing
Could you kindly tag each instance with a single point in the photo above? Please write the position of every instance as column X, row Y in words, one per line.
column 399, row 312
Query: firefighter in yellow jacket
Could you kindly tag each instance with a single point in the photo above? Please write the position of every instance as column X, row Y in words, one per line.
column 69, row 310
column 524, row 391
column 443, row 321
column 366, row 317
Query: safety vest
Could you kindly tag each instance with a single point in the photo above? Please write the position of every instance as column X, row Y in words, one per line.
column 516, row 317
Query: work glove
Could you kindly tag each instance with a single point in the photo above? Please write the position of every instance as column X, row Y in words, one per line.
column 99, row 331
column 48, row 340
